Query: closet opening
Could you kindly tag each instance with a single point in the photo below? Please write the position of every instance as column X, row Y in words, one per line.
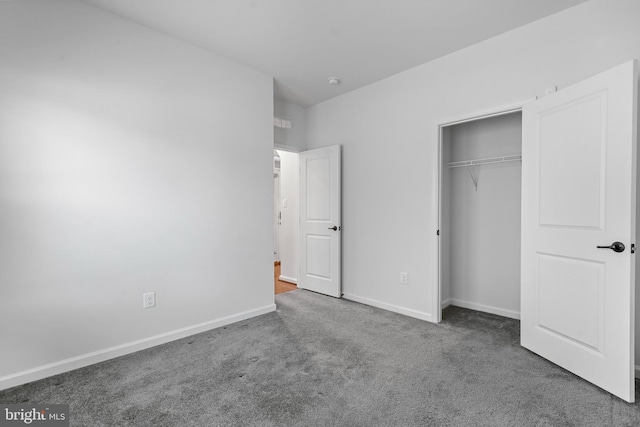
column 480, row 207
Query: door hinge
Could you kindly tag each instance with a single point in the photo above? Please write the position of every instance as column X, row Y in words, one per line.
column 633, row 248
column 438, row 233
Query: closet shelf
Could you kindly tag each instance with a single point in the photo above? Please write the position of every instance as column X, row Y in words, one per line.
column 477, row 162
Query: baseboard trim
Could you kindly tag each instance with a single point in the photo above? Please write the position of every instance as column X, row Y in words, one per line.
column 389, row 307
column 486, row 308
column 81, row 361
column 446, row 303
column 288, row 279
column 637, row 371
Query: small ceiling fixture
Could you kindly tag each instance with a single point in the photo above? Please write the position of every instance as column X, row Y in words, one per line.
column 334, row 81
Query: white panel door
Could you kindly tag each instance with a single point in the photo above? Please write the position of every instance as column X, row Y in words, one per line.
column 578, row 193
column 320, row 221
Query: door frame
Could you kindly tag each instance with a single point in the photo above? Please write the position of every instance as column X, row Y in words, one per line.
column 464, row 118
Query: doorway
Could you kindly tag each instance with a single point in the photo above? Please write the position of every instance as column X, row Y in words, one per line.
column 285, row 220
column 480, row 197
column 276, row 207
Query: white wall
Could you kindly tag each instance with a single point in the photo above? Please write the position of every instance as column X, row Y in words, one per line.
column 389, row 135
column 484, row 226
column 130, row 162
column 293, row 139
column 289, row 190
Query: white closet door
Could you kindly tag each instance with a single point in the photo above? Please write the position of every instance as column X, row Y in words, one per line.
column 578, row 193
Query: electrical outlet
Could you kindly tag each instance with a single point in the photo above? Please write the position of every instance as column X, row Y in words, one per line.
column 404, row 278
column 149, row 300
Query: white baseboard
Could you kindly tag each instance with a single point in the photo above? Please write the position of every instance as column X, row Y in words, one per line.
column 446, row 303
column 486, row 308
column 637, row 371
column 81, row 361
column 288, row 279
column 396, row 309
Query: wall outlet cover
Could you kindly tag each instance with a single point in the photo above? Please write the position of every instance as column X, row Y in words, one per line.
column 404, row 278
column 149, row 300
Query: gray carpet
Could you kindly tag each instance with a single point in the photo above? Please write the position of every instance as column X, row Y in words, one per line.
column 319, row 361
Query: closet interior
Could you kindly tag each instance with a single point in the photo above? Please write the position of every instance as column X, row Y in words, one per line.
column 480, row 196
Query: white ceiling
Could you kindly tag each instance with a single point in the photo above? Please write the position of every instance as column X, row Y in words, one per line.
column 301, row 43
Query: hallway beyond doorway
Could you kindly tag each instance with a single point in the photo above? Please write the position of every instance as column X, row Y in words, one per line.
column 279, row 285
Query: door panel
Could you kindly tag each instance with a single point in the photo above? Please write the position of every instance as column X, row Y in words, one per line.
column 578, row 192
column 320, row 221
column 566, row 282
column 318, row 178
column 318, row 253
column 565, row 136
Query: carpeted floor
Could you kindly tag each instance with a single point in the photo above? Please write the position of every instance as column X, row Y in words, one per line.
column 319, row 361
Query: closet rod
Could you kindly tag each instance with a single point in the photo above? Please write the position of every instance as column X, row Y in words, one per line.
column 477, row 162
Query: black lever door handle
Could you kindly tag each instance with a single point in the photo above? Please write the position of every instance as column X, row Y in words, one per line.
column 615, row 246
column 334, row 228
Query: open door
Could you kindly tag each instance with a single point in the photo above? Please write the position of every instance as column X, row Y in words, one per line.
column 578, row 228
column 320, row 221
